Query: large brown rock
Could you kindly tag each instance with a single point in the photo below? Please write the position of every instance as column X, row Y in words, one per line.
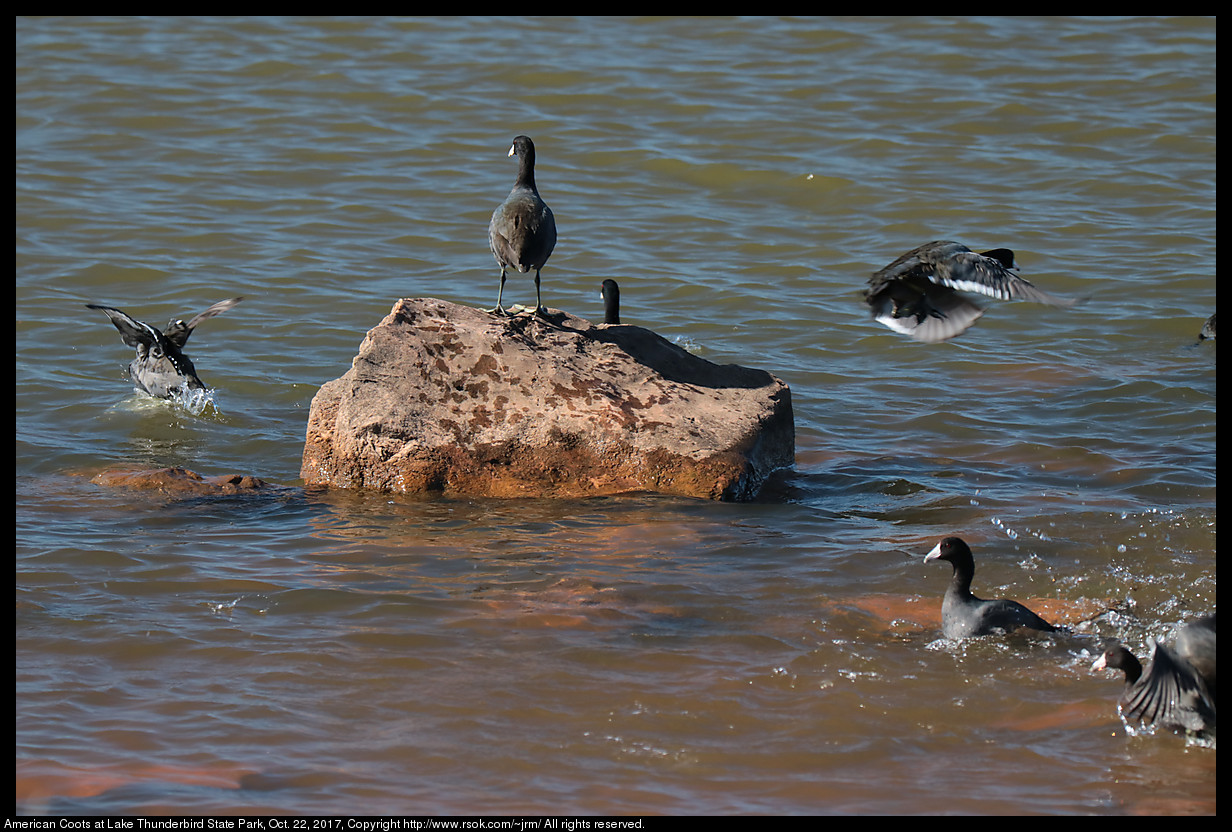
column 446, row 398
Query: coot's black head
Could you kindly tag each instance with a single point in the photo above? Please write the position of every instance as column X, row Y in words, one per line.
column 522, row 147
column 610, row 292
column 956, row 551
column 1003, row 256
column 1116, row 657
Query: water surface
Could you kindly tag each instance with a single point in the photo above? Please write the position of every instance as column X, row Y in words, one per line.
column 330, row 652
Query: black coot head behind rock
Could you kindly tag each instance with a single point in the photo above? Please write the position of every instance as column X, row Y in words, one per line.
column 522, row 232
column 610, row 292
column 962, row 614
column 1177, row 689
column 161, row 368
column 918, row 294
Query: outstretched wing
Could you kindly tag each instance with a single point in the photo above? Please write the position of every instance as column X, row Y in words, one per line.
column 134, row 332
column 177, row 331
column 922, row 309
column 1171, row 694
column 992, row 273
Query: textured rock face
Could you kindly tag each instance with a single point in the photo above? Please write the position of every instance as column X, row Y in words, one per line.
column 452, row 399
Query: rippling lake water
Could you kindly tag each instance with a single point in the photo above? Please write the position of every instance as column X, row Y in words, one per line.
column 317, row 651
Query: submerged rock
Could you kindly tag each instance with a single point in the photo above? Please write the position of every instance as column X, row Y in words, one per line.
column 179, row 481
column 446, row 398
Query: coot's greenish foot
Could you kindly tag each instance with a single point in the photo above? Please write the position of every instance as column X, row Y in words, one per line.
column 1176, row 690
column 521, row 309
column 962, row 614
column 522, row 232
column 918, row 294
column 161, row 367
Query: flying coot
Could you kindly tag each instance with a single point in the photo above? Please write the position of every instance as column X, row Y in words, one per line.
column 918, row 294
column 161, row 368
column 522, row 232
column 962, row 614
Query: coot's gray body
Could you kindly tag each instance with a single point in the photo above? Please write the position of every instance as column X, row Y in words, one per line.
column 522, row 233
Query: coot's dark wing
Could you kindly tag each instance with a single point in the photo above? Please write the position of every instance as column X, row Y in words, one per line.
column 522, row 231
column 990, row 273
column 177, row 331
column 927, row 311
column 135, row 333
column 1195, row 643
column 1208, row 328
column 1171, row 694
column 1004, row 615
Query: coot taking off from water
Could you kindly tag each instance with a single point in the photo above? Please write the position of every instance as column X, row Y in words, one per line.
column 610, row 292
column 962, row 614
column 1208, row 329
column 1196, row 644
column 918, row 294
column 522, row 232
column 161, row 368
column 1177, row 689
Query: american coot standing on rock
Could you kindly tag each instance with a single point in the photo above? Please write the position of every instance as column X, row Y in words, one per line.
column 1177, row 689
column 962, row 614
column 161, row 368
column 610, row 292
column 918, row 294
column 522, row 232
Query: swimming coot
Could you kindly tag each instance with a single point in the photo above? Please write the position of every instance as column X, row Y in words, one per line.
column 918, row 294
column 161, row 368
column 1176, row 689
column 962, row 614
column 522, row 232
column 610, row 292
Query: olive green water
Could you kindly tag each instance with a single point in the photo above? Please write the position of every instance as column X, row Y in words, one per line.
column 330, row 652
